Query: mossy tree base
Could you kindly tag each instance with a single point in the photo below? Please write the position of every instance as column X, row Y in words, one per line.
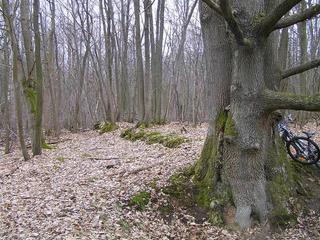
column 206, row 184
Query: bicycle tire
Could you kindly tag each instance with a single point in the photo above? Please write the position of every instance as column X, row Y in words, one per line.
column 292, row 146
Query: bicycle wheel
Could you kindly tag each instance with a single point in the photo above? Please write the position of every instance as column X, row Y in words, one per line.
column 303, row 150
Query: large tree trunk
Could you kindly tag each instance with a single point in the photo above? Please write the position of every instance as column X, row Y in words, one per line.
column 241, row 153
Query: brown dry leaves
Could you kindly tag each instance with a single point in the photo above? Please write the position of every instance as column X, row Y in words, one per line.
column 79, row 190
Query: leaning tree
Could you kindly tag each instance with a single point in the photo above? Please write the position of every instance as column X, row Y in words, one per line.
column 242, row 160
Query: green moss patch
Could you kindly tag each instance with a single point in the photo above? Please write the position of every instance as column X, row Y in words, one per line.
column 170, row 141
column 105, row 127
column 281, row 184
column 140, row 200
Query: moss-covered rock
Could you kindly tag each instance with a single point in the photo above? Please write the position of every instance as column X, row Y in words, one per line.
column 170, row 141
column 140, row 200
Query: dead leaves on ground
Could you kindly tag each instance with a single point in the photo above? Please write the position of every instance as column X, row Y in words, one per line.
column 79, row 190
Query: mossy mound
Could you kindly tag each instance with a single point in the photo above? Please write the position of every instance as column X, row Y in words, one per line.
column 105, row 127
column 170, row 141
column 140, row 200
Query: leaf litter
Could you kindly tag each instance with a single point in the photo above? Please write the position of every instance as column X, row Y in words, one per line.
column 80, row 190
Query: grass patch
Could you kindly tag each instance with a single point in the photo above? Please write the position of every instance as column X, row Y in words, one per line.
column 170, row 141
column 140, row 200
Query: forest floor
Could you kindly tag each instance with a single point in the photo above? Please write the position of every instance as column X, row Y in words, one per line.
column 82, row 187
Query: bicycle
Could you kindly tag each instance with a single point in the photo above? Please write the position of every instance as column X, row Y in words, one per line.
column 301, row 149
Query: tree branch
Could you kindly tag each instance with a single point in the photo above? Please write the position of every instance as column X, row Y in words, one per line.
column 279, row 100
column 267, row 25
column 300, row 69
column 227, row 14
column 213, row 5
column 299, row 17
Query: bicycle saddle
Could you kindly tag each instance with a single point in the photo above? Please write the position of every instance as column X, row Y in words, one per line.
column 309, row 134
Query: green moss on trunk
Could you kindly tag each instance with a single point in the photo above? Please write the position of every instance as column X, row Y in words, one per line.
column 281, row 183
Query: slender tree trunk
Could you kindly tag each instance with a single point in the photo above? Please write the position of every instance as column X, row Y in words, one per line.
column 30, row 87
column 156, row 60
column 124, row 103
column 52, row 76
column 303, row 45
column 139, row 62
column 147, row 76
column 108, row 56
column 17, row 75
column 5, row 90
column 38, row 83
